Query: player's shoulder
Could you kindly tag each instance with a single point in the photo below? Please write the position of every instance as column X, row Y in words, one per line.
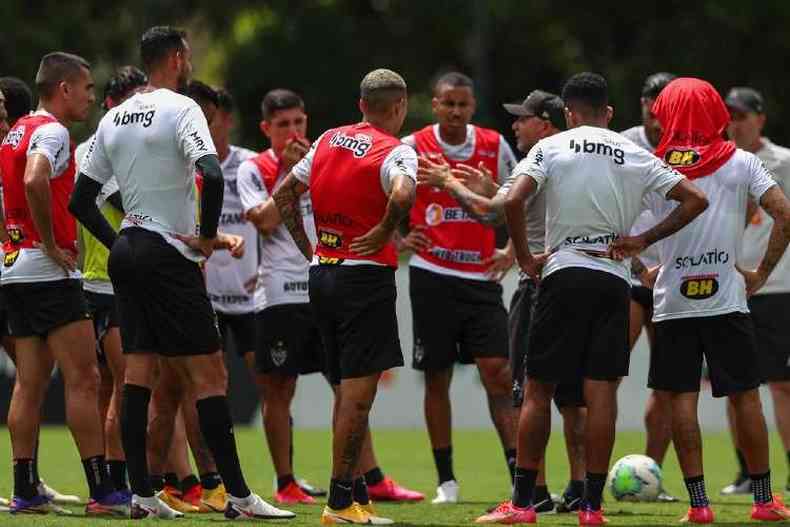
column 243, row 154
column 634, row 133
column 52, row 128
column 780, row 154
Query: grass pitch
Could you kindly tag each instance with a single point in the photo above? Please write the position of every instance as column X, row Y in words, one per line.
column 405, row 456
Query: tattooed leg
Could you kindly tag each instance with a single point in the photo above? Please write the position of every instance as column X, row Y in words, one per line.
column 355, row 398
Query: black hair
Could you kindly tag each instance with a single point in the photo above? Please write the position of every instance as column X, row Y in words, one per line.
column 279, row 99
column 126, row 79
column 655, row 83
column 202, row 93
column 18, row 98
column 55, row 68
column 453, row 79
column 157, row 42
column 588, row 89
column 225, row 100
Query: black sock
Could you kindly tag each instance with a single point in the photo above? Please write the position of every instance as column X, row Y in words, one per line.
column 284, row 481
column 36, row 477
column 210, row 480
column 510, row 459
column 157, row 482
column 697, row 494
column 24, row 483
column 98, row 477
column 340, row 494
column 575, row 488
column 188, row 483
column 593, row 490
column 541, row 494
column 524, row 487
column 443, row 457
column 217, row 428
column 788, row 457
column 117, row 470
column 134, row 429
column 374, row 476
column 360, row 491
column 171, row 480
column 742, row 463
column 761, row 487
column 291, row 449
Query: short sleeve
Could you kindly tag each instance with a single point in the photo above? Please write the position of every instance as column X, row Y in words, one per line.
column 506, row 161
column 252, row 191
column 52, row 141
column 401, row 161
column 409, row 140
column 303, row 168
column 95, row 164
column 760, row 179
column 659, row 177
column 534, row 165
column 193, row 134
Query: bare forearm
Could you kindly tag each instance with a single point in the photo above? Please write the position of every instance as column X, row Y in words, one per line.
column 637, row 267
column 677, row 219
column 489, row 211
column 777, row 244
column 517, row 229
column 39, row 198
column 286, row 198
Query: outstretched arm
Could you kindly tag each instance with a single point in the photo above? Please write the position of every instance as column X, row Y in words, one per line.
column 286, row 198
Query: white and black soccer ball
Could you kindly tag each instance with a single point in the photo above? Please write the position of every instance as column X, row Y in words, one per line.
column 635, row 478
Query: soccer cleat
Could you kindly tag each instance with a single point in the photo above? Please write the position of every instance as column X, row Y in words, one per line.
column 355, row 513
column 447, row 492
column 375, row 518
column 665, row 497
column 545, row 506
column 114, row 504
column 293, row 494
column 741, row 485
column 389, row 490
column 569, row 503
column 773, row 511
column 311, row 490
column 254, row 508
column 152, row 507
column 591, row 517
column 4, row 502
column 214, row 500
column 698, row 515
column 172, row 498
column 56, row 497
column 193, row 495
column 508, row 514
column 36, row 505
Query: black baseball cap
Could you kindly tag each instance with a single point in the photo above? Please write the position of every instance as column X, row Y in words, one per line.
column 541, row 104
column 747, row 100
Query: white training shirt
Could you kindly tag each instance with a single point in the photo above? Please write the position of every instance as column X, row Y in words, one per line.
column 638, row 136
column 401, row 161
column 536, row 209
column 698, row 276
column 283, row 267
column 594, row 180
column 150, row 143
column 233, row 285
column 755, row 240
column 52, row 141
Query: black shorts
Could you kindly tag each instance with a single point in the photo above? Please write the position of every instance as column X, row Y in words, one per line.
column 242, row 328
column 162, row 299
column 643, row 296
column 3, row 315
column 771, row 317
column 288, row 341
column 727, row 343
column 579, row 327
column 354, row 307
column 35, row 309
column 105, row 316
column 455, row 320
column 521, row 306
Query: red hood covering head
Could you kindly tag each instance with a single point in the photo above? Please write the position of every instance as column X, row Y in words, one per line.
column 693, row 118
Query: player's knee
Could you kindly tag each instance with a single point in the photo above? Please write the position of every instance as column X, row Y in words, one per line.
column 495, row 374
column 780, row 389
column 86, row 384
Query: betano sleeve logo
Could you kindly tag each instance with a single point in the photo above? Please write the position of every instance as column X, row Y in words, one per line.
column 359, row 145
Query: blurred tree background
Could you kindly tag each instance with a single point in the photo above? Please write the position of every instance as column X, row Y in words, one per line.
column 322, row 48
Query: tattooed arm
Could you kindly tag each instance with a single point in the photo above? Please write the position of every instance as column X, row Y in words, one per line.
column 286, row 198
column 777, row 206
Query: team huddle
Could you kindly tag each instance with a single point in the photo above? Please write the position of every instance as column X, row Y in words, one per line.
column 133, row 260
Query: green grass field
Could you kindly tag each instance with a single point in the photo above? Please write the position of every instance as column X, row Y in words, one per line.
column 405, row 455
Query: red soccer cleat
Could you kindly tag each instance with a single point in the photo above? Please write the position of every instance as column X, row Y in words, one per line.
column 293, row 494
column 773, row 511
column 698, row 515
column 591, row 517
column 508, row 514
column 193, row 495
column 389, row 490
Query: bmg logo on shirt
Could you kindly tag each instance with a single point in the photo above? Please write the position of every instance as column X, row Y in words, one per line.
column 601, row 149
column 359, row 144
column 145, row 118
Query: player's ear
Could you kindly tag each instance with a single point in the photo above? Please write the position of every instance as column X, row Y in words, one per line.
column 266, row 128
column 363, row 106
column 609, row 114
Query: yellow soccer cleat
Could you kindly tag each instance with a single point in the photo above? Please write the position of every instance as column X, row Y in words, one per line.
column 356, row 513
column 214, row 500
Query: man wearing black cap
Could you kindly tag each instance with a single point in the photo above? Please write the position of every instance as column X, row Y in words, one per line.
column 769, row 306
column 539, row 116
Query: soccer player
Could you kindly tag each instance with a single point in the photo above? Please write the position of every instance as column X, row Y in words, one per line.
column 287, row 349
column 658, row 421
column 362, row 185
column 48, row 316
column 457, row 309
column 539, row 116
column 700, row 306
column 594, row 181
column 151, row 144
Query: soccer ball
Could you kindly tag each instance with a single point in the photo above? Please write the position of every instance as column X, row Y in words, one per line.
column 635, row 478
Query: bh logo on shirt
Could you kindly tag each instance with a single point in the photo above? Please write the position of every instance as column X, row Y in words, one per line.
column 359, row 144
column 699, row 287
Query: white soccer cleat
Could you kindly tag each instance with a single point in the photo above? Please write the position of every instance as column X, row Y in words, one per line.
column 447, row 492
column 56, row 497
column 253, row 507
column 4, row 502
column 153, row 507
